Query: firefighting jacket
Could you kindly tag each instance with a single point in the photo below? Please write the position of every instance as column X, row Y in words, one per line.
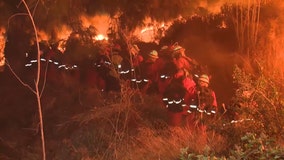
column 173, row 97
column 203, row 101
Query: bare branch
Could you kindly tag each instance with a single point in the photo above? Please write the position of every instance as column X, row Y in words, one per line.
column 17, row 14
column 37, row 82
column 19, row 79
column 44, row 80
column 35, row 7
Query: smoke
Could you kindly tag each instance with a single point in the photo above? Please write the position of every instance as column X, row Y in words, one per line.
column 214, row 6
column 274, row 43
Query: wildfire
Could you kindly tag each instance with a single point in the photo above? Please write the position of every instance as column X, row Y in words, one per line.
column 43, row 36
column 223, row 25
column 147, row 29
column 61, row 46
column 2, row 46
column 100, row 37
column 152, row 29
column 100, row 22
column 63, row 32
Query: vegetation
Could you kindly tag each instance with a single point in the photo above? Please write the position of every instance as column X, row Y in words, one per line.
column 85, row 123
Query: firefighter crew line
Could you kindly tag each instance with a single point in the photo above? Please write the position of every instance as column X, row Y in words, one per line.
column 63, row 66
column 168, row 72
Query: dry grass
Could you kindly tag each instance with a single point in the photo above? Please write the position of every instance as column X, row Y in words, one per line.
column 122, row 129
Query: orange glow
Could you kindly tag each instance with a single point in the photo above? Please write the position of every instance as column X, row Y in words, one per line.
column 213, row 7
column 147, row 29
column 100, row 22
column 223, row 25
column 61, row 46
column 63, row 32
column 100, row 37
column 43, row 36
column 2, row 46
column 149, row 32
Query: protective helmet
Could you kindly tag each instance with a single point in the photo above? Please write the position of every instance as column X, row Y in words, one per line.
column 165, row 51
column 153, row 54
column 163, row 48
column 134, row 50
column 176, row 47
column 204, row 78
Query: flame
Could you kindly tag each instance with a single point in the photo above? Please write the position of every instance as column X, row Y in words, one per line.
column 223, row 25
column 150, row 30
column 100, row 37
column 43, row 36
column 63, row 32
column 61, row 46
column 2, row 46
column 213, row 6
column 147, row 29
column 100, row 22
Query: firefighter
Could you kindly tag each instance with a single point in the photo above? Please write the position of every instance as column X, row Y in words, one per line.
column 148, row 75
column 91, row 77
column 173, row 99
column 181, row 87
column 107, row 72
column 202, row 105
column 132, row 64
column 115, row 56
column 165, row 68
column 165, row 76
column 205, row 90
column 164, row 57
column 136, row 57
column 179, row 58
